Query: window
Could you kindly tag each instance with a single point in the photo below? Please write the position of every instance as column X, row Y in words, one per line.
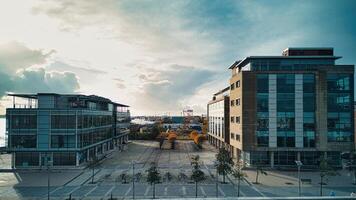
column 285, row 121
column 238, row 84
column 262, row 138
column 26, row 159
column 238, row 119
column 62, row 141
column 262, row 83
column 63, row 122
column 238, row 137
column 285, row 139
column 232, row 119
column 309, row 139
column 262, row 102
column 232, row 102
column 232, row 87
column 23, row 141
column 232, row 136
column 24, row 121
column 65, row 158
column 238, row 101
column 262, row 121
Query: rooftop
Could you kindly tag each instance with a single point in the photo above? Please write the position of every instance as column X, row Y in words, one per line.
column 93, row 98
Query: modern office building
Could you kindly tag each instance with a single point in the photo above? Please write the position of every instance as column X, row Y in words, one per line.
column 298, row 106
column 67, row 130
column 218, row 119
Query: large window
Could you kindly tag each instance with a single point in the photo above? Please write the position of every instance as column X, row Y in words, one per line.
column 89, row 121
column 62, row 141
column 340, row 107
column 262, row 121
column 26, row 159
column 24, row 121
column 309, row 139
column 63, row 121
column 262, row 83
column 285, row 121
column 262, row 138
column 23, row 141
column 285, row 139
column 62, row 159
column 88, row 137
column 262, row 102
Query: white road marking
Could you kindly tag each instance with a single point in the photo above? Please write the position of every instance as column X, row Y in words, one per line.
column 128, row 191
column 147, row 190
column 203, row 191
column 165, row 191
column 184, row 191
column 74, row 189
column 91, row 191
column 111, row 189
column 221, row 191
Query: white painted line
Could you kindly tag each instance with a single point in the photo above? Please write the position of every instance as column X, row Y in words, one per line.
column 74, row 189
column 221, row 191
column 147, row 190
column 128, row 191
column 254, row 188
column 56, row 189
column 165, row 191
column 184, row 191
column 90, row 191
column 111, row 189
column 202, row 191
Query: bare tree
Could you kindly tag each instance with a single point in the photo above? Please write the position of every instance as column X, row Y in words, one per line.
column 239, row 175
column 153, row 177
column 197, row 174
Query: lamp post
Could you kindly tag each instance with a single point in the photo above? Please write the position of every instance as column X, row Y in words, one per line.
column 216, row 180
column 49, row 162
column 133, row 179
column 299, row 165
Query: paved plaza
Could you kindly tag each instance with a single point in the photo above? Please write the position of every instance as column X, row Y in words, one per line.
column 108, row 179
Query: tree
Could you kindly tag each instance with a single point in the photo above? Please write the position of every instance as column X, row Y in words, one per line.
column 259, row 170
column 224, row 162
column 153, row 177
column 239, row 175
column 325, row 170
column 197, row 174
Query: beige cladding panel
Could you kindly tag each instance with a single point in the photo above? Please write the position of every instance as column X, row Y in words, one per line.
column 236, row 111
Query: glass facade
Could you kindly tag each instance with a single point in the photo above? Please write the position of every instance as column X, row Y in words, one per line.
column 27, row 159
column 285, row 110
column 64, row 158
column 62, row 141
column 309, row 102
column 23, row 141
column 262, row 117
column 24, row 121
column 340, row 107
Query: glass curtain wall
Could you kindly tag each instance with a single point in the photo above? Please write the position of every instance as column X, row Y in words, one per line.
column 262, row 110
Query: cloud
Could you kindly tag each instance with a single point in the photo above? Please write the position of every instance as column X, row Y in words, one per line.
column 166, row 90
column 15, row 56
column 120, row 83
column 18, row 75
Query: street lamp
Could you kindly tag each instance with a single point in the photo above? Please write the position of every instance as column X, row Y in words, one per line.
column 133, row 179
column 216, row 180
column 299, row 165
column 49, row 162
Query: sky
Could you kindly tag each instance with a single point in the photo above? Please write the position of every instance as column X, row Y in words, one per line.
column 157, row 56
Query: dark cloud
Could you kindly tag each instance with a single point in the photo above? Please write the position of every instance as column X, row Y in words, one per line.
column 16, row 76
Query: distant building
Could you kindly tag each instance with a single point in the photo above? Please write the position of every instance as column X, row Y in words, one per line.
column 218, row 114
column 68, row 130
column 298, row 106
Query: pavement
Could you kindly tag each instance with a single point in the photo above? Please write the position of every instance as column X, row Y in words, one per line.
column 108, row 178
